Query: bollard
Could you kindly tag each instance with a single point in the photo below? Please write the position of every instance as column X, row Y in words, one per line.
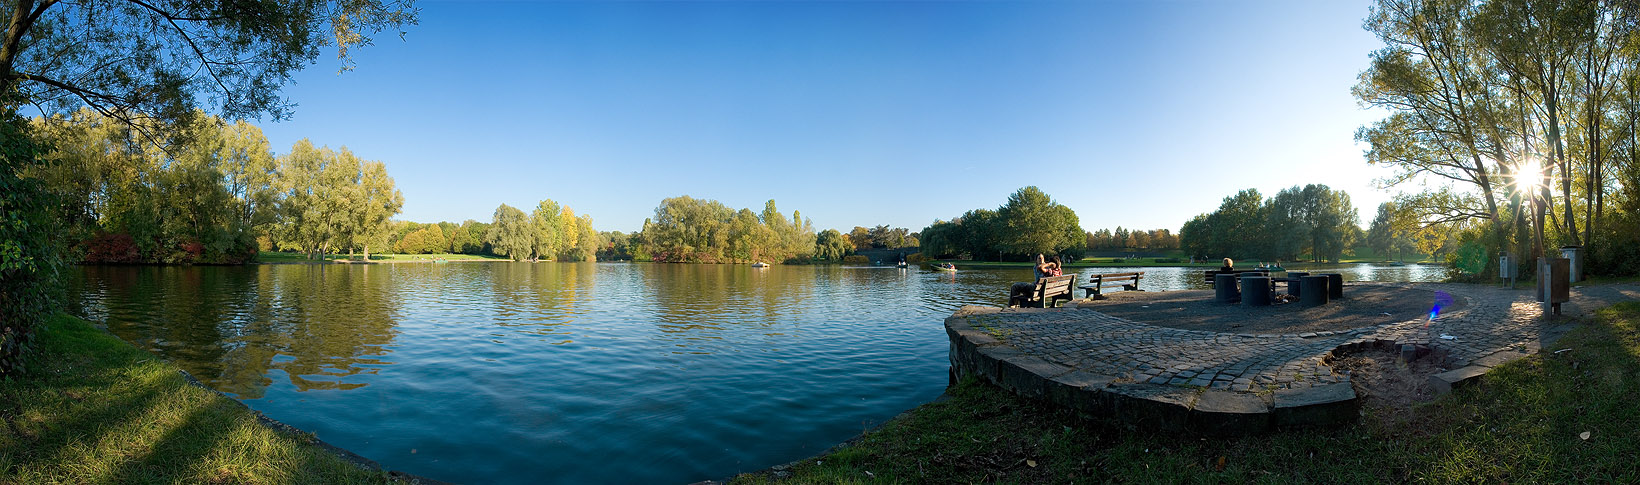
column 1255, row 291
column 1314, row 292
column 1224, row 288
column 1292, row 283
column 1335, row 286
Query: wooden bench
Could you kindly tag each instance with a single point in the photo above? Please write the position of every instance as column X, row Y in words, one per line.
column 1238, row 272
column 1096, row 283
column 1047, row 293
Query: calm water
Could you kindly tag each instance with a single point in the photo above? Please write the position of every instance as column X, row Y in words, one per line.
column 563, row 372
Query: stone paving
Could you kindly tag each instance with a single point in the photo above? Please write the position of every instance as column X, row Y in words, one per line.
column 1497, row 325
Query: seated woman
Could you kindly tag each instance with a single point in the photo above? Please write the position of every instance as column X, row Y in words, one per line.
column 1229, row 265
column 1021, row 291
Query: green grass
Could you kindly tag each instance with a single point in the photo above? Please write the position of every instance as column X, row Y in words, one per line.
column 284, row 257
column 92, row 409
column 1520, row 424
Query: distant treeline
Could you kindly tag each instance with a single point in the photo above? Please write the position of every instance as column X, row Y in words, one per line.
column 1311, row 222
column 1030, row 223
column 207, row 191
column 1135, row 239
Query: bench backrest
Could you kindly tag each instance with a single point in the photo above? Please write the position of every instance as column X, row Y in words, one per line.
column 1238, row 272
column 1055, row 285
column 1119, row 276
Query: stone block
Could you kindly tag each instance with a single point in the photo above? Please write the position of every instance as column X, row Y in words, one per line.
column 1325, row 405
column 1152, row 407
column 1027, row 375
column 1224, row 413
column 1447, row 381
column 1080, row 390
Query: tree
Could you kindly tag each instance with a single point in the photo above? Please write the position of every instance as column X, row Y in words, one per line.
column 1038, row 225
column 375, row 205
column 550, row 234
column 832, row 245
column 1391, row 231
column 860, row 237
column 1444, row 116
column 511, row 234
column 136, row 60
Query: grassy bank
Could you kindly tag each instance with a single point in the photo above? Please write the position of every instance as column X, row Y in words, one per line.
column 92, row 409
column 283, row 257
column 1522, row 424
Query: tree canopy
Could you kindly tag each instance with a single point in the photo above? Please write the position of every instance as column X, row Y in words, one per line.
column 134, row 59
column 1313, row 221
column 1029, row 223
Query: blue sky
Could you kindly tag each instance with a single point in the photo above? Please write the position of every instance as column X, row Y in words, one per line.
column 1138, row 114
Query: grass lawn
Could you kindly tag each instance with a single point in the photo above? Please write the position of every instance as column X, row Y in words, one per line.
column 1523, row 423
column 284, row 257
column 93, row 409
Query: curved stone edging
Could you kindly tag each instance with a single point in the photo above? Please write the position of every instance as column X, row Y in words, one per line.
column 975, row 352
column 1227, row 384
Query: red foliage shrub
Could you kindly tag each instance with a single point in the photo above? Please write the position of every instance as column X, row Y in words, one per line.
column 111, row 248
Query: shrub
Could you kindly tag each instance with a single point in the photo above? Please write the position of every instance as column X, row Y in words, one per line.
column 915, row 258
column 29, row 245
column 111, row 248
column 856, row 259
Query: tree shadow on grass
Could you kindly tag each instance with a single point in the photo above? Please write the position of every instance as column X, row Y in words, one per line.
column 1525, row 421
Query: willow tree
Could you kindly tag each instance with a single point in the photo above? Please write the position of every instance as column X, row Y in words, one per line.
column 376, row 201
column 511, row 233
column 137, row 59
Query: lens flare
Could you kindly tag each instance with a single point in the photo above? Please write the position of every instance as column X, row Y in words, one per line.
column 1442, row 300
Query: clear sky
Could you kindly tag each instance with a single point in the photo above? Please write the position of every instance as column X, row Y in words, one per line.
column 1138, row 114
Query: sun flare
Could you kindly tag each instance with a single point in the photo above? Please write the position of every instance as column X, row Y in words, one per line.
column 1528, row 175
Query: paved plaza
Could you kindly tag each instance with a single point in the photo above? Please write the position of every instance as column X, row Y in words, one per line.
column 1075, row 350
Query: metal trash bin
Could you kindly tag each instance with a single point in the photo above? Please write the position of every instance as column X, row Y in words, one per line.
column 1314, row 292
column 1574, row 254
column 1255, row 291
column 1224, row 288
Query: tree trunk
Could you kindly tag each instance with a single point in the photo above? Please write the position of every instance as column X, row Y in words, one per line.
column 1553, row 100
column 15, row 29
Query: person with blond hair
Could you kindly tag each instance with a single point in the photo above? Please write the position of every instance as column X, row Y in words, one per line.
column 1229, row 265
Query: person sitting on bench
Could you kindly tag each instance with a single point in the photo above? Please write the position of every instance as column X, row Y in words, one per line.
column 1229, row 266
column 1022, row 290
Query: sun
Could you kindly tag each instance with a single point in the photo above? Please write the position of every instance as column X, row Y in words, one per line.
column 1528, row 175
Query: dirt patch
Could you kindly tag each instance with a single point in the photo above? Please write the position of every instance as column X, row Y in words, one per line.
column 1389, row 386
column 1362, row 306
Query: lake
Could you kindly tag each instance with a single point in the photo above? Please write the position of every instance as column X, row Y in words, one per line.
column 569, row 372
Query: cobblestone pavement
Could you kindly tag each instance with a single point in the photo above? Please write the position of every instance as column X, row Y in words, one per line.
column 1496, row 321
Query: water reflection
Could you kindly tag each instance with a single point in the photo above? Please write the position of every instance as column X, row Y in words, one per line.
column 236, row 328
column 694, row 371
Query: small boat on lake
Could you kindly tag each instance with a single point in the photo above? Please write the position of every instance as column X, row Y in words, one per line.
column 944, row 267
column 760, row 264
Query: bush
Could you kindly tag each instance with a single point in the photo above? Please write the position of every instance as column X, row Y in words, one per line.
column 111, row 248
column 856, row 259
column 915, row 258
column 29, row 261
